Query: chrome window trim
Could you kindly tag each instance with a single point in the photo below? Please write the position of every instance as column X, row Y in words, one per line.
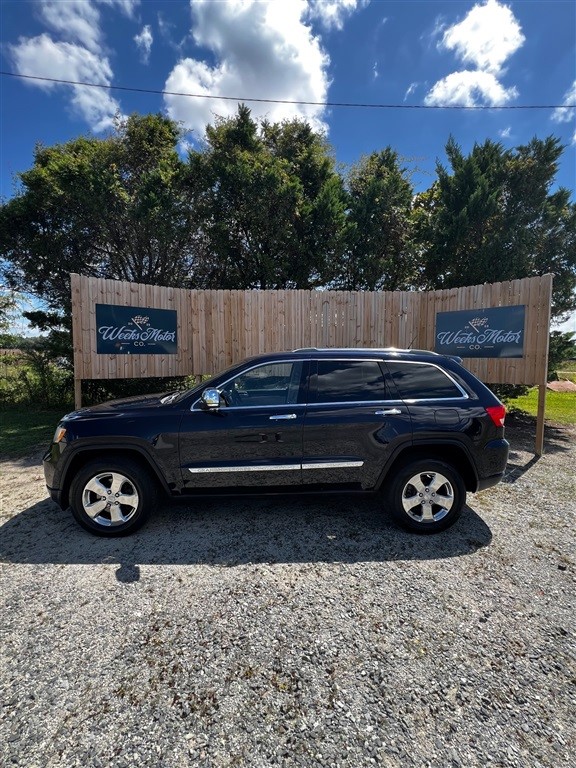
column 246, row 370
column 464, row 394
column 367, row 403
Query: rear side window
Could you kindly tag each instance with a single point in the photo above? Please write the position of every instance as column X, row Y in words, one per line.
column 349, row 381
column 419, row 381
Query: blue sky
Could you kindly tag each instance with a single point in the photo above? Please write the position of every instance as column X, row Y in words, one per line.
column 415, row 52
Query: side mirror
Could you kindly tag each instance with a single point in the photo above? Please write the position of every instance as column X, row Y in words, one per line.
column 210, row 399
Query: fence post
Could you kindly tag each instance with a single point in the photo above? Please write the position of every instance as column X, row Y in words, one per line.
column 77, row 393
column 539, row 448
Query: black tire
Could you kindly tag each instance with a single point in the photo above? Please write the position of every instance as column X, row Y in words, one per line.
column 426, row 496
column 112, row 497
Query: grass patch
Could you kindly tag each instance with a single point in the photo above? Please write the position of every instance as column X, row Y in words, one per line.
column 569, row 375
column 560, row 406
column 24, row 430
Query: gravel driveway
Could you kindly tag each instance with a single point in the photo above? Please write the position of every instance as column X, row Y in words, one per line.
column 301, row 633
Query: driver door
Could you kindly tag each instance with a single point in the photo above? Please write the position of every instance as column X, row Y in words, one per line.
column 254, row 438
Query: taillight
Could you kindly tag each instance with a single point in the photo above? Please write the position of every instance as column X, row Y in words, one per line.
column 497, row 413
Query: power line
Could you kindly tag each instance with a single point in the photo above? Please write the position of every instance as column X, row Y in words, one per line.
column 282, row 101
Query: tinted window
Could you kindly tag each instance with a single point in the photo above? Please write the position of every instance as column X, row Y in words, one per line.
column 346, row 381
column 270, row 384
column 418, row 381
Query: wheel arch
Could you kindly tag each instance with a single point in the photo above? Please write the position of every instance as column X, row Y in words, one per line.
column 451, row 453
column 108, row 453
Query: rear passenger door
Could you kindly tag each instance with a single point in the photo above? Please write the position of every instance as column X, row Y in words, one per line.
column 352, row 426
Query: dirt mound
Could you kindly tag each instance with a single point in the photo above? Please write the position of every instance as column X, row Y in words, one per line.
column 562, row 386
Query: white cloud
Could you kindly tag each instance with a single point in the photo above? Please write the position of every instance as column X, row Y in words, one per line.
column 144, row 40
column 78, row 20
column 469, row 89
column 505, row 133
column 486, row 37
column 262, row 50
column 410, row 90
column 563, row 114
column 78, row 55
column 68, row 61
column 126, row 6
column 332, row 13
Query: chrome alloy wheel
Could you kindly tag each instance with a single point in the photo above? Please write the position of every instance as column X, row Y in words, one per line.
column 110, row 499
column 427, row 497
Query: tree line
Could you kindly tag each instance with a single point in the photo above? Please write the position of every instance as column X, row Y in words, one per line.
column 263, row 205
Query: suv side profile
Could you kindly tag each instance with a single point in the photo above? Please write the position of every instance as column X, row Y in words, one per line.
column 413, row 426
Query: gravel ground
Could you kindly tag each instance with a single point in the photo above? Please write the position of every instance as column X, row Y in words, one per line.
column 307, row 633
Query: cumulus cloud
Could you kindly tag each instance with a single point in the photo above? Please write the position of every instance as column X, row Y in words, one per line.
column 467, row 89
column 486, row 38
column 563, row 114
column 79, row 21
column 68, row 61
column 333, row 13
column 144, row 40
column 262, row 50
column 79, row 56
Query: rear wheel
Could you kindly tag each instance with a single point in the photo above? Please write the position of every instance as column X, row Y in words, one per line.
column 426, row 496
column 112, row 498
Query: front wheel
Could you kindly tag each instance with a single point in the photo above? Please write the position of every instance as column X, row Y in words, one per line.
column 426, row 496
column 112, row 498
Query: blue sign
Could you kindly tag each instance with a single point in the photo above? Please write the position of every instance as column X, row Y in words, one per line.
column 494, row 332
column 135, row 330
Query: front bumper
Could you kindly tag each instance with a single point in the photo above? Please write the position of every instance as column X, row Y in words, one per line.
column 49, row 464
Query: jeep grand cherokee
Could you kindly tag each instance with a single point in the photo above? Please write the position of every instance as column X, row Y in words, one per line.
column 413, row 426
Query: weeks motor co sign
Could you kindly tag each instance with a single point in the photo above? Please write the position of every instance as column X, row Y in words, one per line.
column 135, row 330
column 495, row 332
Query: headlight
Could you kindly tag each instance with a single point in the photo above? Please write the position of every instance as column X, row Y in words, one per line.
column 59, row 434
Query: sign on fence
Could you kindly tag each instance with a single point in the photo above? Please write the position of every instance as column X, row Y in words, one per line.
column 492, row 332
column 135, row 330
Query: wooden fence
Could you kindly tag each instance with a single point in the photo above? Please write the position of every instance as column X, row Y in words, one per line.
column 217, row 328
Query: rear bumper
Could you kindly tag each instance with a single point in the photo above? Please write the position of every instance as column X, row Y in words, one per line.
column 494, row 458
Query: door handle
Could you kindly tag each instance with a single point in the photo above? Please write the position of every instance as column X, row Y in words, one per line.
column 283, row 417
column 389, row 412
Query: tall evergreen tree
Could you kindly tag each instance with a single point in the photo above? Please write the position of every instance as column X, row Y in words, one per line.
column 493, row 217
column 379, row 253
column 271, row 203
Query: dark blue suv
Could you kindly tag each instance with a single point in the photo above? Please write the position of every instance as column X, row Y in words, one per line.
column 416, row 427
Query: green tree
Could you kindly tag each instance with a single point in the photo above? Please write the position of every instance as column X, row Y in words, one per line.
column 380, row 252
column 117, row 207
column 271, row 204
column 493, row 217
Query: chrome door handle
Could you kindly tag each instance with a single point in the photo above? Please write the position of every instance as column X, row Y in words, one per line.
column 284, row 417
column 390, row 412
